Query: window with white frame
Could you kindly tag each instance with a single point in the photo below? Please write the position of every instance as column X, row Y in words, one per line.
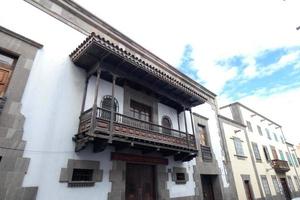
column 256, row 151
column 297, row 182
column 268, row 133
column 259, row 130
column 266, row 152
column 281, row 155
column 275, row 137
column 290, row 183
column 276, row 184
column 265, row 185
column 238, row 147
column 295, row 160
column 289, row 158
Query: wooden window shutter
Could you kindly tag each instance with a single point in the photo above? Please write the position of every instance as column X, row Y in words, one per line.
column 5, row 74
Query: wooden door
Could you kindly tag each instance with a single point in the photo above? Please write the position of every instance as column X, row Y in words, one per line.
column 5, row 73
column 248, row 190
column 207, row 187
column 286, row 190
column 140, row 182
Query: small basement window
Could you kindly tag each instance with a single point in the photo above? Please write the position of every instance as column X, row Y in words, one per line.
column 180, row 175
column 82, row 175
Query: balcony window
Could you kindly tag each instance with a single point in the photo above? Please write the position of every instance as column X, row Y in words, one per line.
column 266, row 152
column 281, row 155
column 167, row 125
column 274, row 153
column 256, row 151
column 106, row 105
column 140, row 111
column 289, row 158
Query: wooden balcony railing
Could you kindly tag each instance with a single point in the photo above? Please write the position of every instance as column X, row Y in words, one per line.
column 280, row 166
column 101, row 124
column 206, row 153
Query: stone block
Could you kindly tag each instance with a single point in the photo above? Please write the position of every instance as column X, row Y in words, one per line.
column 30, row 193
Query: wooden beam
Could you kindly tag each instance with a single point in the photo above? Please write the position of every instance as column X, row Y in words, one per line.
column 147, row 84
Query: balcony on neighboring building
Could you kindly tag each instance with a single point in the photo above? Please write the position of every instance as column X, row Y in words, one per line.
column 135, row 68
column 280, row 166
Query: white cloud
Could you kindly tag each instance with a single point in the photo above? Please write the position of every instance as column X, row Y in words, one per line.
column 250, row 72
column 290, row 58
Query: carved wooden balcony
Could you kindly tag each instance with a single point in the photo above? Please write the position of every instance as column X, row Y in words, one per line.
column 206, row 153
column 280, row 166
column 97, row 124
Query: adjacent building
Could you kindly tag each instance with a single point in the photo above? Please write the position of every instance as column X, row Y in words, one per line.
column 263, row 164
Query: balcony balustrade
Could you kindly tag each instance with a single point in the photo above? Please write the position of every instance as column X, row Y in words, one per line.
column 98, row 123
column 280, row 166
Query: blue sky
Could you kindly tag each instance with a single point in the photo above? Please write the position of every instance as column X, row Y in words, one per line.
column 276, row 70
column 245, row 51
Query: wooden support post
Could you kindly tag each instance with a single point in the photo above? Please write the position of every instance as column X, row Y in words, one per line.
column 186, row 130
column 84, row 93
column 112, row 111
column 178, row 121
column 192, row 121
column 94, row 111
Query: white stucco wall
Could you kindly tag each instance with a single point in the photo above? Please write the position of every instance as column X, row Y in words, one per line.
column 51, row 104
column 265, row 167
column 164, row 110
column 105, row 88
column 181, row 190
column 216, row 143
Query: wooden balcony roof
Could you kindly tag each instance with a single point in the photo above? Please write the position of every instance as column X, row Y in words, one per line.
column 123, row 62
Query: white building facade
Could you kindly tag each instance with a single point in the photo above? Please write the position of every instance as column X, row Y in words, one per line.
column 263, row 164
column 88, row 113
